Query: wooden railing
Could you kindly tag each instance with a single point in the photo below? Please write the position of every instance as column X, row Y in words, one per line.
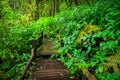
column 35, row 45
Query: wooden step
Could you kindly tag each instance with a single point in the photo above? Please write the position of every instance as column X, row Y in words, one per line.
column 47, row 69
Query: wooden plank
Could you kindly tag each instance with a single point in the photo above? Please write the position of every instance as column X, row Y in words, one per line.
column 54, row 69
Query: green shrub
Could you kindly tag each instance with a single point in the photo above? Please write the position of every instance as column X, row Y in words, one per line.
column 95, row 45
column 90, row 33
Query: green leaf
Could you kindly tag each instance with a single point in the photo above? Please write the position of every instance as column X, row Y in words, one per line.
column 100, row 68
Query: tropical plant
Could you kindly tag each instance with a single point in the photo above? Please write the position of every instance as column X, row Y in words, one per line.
column 86, row 36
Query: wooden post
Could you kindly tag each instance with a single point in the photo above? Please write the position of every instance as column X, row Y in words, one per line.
column 33, row 50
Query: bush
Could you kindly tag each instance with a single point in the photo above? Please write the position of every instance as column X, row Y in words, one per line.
column 89, row 33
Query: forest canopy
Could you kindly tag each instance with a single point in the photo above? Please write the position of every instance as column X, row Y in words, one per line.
column 89, row 30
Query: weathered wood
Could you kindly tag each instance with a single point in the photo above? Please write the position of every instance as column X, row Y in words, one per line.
column 46, row 69
column 33, row 51
column 89, row 75
column 28, row 64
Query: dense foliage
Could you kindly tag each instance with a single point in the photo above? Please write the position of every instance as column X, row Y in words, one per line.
column 89, row 33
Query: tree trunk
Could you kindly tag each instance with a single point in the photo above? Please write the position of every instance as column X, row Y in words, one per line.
column 76, row 2
column 54, row 8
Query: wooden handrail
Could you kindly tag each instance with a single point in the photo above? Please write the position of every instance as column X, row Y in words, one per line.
column 35, row 45
column 89, row 75
column 28, row 64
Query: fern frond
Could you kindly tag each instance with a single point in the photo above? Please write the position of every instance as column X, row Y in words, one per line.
column 113, row 61
column 87, row 30
column 80, row 37
column 91, row 28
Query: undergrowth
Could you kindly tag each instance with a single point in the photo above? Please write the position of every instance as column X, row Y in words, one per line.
column 90, row 33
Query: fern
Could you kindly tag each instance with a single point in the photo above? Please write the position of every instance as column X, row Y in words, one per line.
column 113, row 61
column 87, row 30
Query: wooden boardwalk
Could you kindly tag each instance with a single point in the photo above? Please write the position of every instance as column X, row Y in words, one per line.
column 44, row 68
